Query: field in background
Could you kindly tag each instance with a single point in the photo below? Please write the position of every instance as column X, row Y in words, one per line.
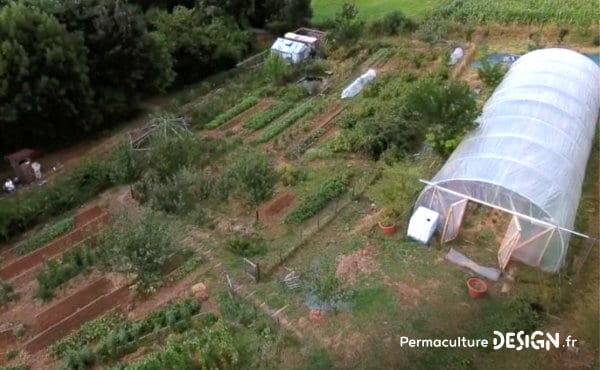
column 370, row 9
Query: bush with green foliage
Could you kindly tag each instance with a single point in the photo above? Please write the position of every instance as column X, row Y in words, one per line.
column 491, row 73
column 247, row 246
column 312, row 204
column 46, row 235
column 140, row 247
column 397, row 188
column 446, row 109
column 58, row 272
column 392, row 23
column 274, row 130
column 290, row 175
column 268, row 116
column 256, row 177
column 7, row 293
column 178, row 194
column 433, row 31
column 348, row 26
column 275, row 69
column 241, row 107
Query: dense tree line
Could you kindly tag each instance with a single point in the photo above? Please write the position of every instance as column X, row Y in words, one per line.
column 72, row 67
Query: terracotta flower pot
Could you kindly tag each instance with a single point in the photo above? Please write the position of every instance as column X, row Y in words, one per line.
column 388, row 230
column 477, row 287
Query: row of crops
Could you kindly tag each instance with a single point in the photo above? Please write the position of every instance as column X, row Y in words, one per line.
column 579, row 12
column 108, row 339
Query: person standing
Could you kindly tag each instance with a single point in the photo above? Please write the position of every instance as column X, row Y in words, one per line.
column 37, row 172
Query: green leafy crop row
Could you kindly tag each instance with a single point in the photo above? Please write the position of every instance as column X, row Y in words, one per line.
column 311, row 205
column 267, row 116
column 88, row 333
column 58, row 272
column 287, row 121
column 46, row 235
column 580, row 12
column 307, row 142
column 123, row 338
column 244, row 105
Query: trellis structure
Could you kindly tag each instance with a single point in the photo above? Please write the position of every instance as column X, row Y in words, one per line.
column 527, row 157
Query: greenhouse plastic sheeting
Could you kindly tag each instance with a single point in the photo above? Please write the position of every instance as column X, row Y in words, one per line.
column 529, row 152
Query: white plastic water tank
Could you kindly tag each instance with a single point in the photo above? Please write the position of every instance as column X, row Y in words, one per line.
column 456, row 56
column 422, row 224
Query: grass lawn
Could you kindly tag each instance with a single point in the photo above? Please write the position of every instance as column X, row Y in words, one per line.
column 370, row 9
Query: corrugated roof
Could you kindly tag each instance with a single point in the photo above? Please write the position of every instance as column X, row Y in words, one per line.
column 288, row 46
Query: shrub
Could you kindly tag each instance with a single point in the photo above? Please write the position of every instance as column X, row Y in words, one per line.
column 432, row 31
column 266, row 117
column 246, row 246
column 596, row 40
column 275, row 69
column 7, row 293
column 178, row 194
column 46, row 235
column 397, row 188
column 392, row 23
column 287, row 121
column 491, row 74
column 244, row 105
column 256, row 177
column 290, row 175
column 311, row 205
column 348, row 27
column 445, row 109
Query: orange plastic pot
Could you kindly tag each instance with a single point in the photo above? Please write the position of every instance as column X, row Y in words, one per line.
column 388, row 230
column 477, row 287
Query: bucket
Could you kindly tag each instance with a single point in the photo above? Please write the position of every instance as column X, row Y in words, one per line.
column 388, row 230
column 477, row 287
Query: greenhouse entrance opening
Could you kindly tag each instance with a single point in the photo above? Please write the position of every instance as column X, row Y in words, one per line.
column 487, row 233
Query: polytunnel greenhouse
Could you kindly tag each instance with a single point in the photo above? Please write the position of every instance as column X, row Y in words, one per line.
column 527, row 157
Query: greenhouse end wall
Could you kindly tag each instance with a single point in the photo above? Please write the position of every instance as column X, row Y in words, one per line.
column 530, row 150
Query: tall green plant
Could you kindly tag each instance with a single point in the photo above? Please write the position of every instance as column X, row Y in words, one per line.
column 141, row 247
column 257, row 177
column 491, row 73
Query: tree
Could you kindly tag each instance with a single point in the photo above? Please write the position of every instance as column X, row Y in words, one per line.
column 199, row 43
column 348, row 27
column 257, row 177
column 445, row 109
column 45, row 93
column 125, row 61
column 141, row 247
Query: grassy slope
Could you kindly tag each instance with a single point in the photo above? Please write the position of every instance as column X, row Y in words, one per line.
column 370, row 9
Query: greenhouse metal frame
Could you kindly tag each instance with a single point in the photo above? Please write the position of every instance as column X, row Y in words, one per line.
column 527, row 157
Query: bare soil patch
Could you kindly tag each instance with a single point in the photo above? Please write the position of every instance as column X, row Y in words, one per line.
column 275, row 207
column 407, row 293
column 350, row 266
